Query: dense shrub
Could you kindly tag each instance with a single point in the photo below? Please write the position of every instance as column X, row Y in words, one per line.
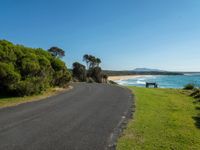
column 95, row 73
column 25, row 87
column 27, row 71
column 189, row 87
column 8, row 76
column 196, row 94
column 79, row 71
column 60, row 78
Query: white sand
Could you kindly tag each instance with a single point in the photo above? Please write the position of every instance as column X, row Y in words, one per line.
column 115, row 78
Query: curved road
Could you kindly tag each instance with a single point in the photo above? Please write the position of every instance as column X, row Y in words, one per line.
column 84, row 118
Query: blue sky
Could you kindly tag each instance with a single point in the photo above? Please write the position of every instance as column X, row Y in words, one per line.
column 125, row 34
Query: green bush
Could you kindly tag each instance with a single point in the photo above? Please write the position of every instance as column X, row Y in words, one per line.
column 8, row 75
column 189, row 86
column 24, row 88
column 27, row 71
column 60, row 78
column 57, row 64
column 30, row 66
column 29, row 86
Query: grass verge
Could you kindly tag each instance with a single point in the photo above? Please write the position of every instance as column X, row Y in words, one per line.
column 6, row 101
column 164, row 119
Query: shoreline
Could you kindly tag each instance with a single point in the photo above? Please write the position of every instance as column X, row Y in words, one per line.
column 126, row 77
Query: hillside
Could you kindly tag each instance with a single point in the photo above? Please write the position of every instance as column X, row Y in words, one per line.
column 118, row 73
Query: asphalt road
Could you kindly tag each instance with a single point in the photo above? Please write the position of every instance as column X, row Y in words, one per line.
column 85, row 118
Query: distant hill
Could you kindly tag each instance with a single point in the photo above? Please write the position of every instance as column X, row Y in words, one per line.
column 147, row 70
column 140, row 71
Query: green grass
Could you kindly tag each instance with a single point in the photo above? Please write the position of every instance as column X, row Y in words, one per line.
column 163, row 121
column 6, row 101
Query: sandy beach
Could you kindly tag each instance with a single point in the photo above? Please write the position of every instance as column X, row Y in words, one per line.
column 115, row 78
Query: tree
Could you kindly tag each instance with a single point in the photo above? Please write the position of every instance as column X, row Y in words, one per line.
column 79, row 71
column 95, row 73
column 91, row 61
column 86, row 59
column 98, row 61
column 56, row 52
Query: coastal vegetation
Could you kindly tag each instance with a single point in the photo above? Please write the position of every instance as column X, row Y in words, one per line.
column 189, row 86
column 196, row 94
column 93, row 72
column 79, row 72
column 27, row 71
column 163, row 119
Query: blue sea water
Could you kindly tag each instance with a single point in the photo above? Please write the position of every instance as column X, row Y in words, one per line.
column 164, row 81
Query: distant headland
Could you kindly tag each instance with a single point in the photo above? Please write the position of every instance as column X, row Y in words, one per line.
column 141, row 71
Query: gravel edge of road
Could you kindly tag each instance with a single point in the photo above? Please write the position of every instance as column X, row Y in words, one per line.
column 117, row 132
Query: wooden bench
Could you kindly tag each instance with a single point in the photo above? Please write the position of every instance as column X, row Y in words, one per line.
column 154, row 84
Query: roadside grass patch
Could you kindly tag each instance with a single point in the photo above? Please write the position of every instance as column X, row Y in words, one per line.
column 164, row 119
column 6, row 101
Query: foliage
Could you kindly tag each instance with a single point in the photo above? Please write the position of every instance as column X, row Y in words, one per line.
column 79, row 71
column 61, row 78
column 86, row 59
column 94, row 70
column 91, row 61
column 189, row 86
column 28, row 71
column 95, row 73
column 8, row 76
column 56, row 51
column 196, row 94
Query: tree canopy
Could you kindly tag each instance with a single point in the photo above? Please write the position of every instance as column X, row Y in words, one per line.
column 57, row 52
column 94, row 72
column 91, row 61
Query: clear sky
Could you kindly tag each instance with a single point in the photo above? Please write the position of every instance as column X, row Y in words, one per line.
column 125, row 34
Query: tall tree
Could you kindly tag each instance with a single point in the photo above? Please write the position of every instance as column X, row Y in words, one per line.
column 91, row 61
column 98, row 61
column 86, row 59
column 56, row 51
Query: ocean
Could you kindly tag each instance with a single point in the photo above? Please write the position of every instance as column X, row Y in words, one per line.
column 164, row 81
